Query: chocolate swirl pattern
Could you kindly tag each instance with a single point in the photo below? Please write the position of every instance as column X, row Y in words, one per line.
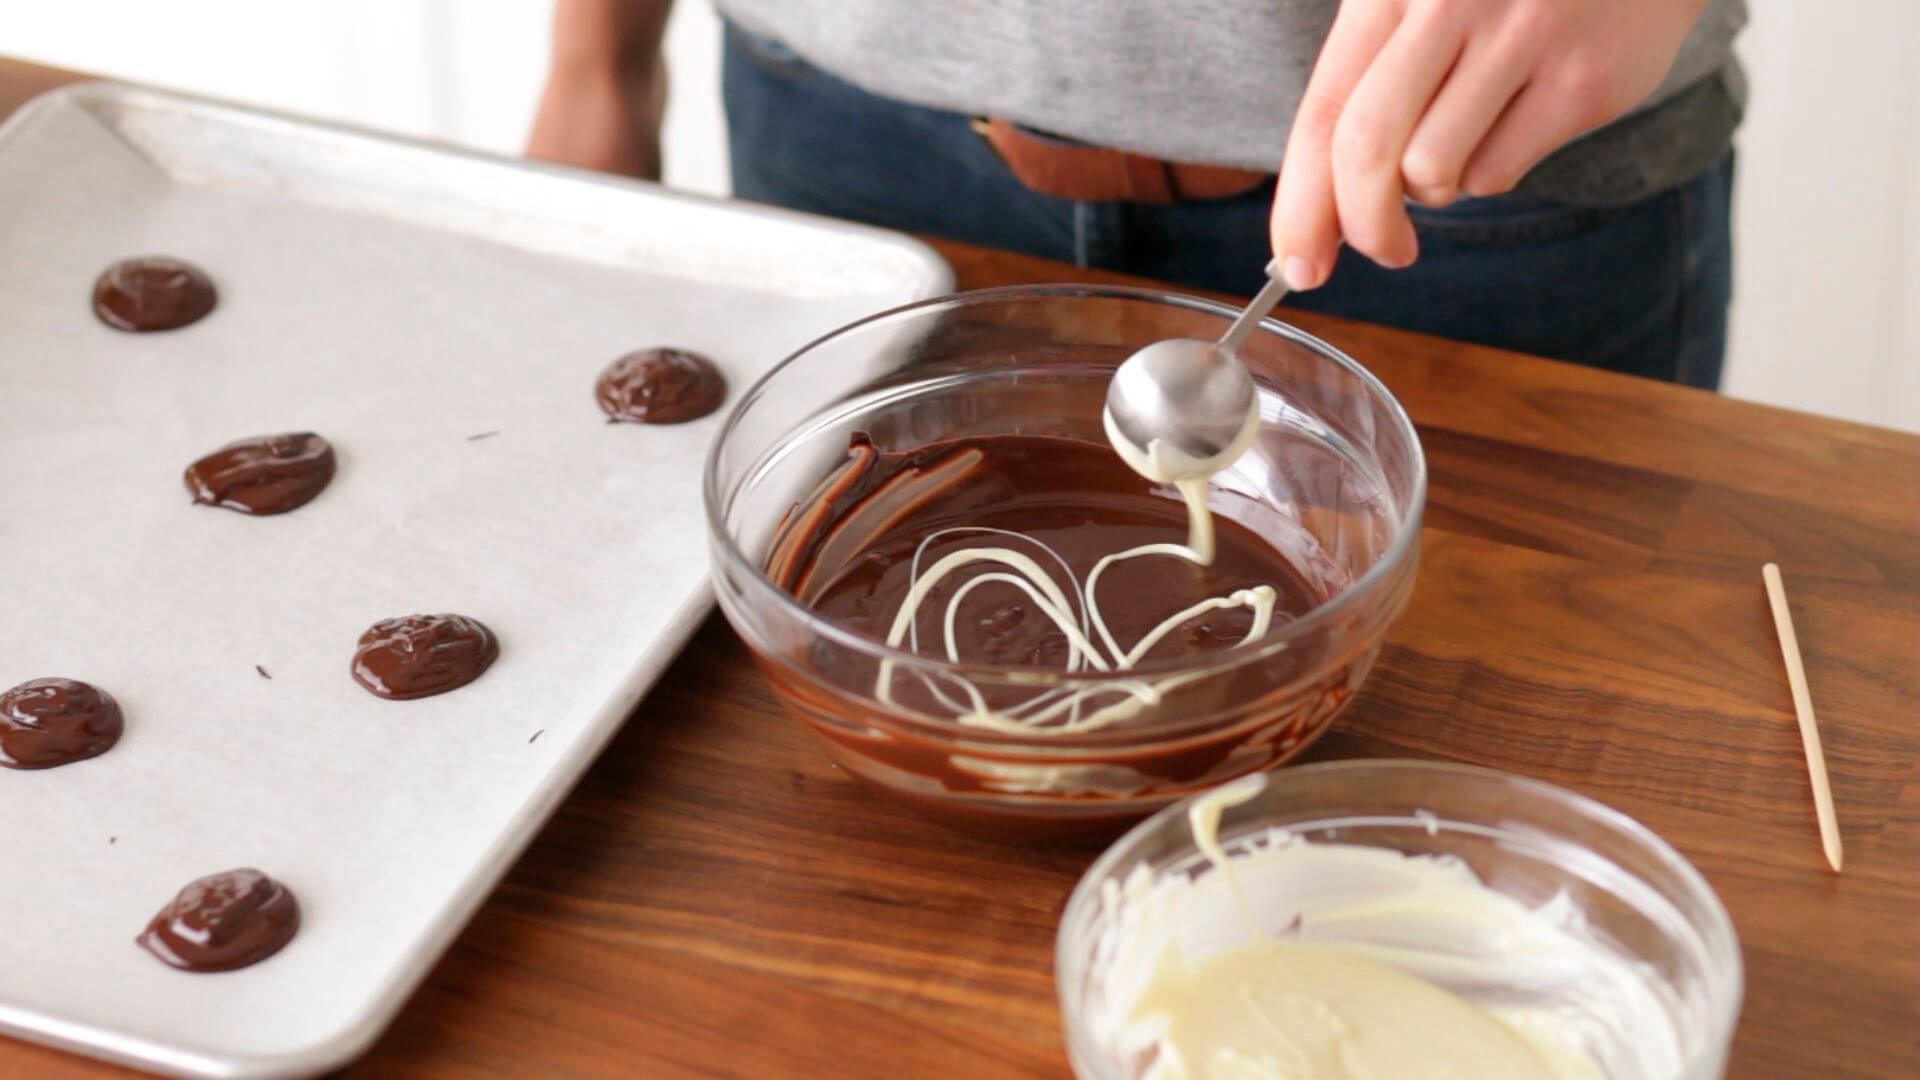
column 1030, row 551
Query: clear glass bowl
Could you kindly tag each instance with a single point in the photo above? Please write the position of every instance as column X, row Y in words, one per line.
column 1335, row 480
column 1575, row 863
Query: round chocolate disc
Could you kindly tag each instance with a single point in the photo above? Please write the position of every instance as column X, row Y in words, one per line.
column 267, row 474
column 660, row 386
column 417, row 656
column 224, row 921
column 49, row 722
column 152, row 292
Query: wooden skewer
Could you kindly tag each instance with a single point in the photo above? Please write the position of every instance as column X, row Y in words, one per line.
column 1803, row 708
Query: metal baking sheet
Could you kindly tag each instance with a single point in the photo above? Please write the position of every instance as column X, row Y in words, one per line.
column 399, row 298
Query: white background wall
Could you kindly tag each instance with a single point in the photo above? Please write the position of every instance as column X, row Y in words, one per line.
column 1827, row 315
column 1827, row 226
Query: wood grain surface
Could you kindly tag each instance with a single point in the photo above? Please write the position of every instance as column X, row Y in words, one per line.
column 715, row 899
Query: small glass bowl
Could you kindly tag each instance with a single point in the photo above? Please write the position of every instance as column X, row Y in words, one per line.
column 1583, row 868
column 1335, row 477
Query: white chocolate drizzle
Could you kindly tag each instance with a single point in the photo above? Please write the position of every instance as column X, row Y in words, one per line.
column 1091, row 645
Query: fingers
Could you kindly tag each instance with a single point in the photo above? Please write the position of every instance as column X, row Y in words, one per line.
column 1306, row 226
column 1371, row 138
column 1489, row 74
column 1435, row 100
column 1538, row 122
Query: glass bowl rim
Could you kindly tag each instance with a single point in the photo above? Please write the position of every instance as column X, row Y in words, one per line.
column 1366, row 584
column 1719, row 937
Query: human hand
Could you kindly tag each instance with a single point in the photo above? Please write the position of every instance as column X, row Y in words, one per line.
column 604, row 118
column 1435, row 98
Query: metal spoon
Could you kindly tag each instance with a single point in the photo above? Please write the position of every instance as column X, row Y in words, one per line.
column 1193, row 396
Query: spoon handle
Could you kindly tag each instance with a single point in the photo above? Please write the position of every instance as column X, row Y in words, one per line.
column 1262, row 304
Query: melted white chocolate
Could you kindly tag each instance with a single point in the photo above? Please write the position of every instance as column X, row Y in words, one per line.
column 1275, row 1011
column 1353, row 983
column 1091, row 646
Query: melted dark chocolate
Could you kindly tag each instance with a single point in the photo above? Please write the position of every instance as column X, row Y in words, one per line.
column 152, row 293
column 417, row 656
column 847, row 551
column 50, row 722
column 267, row 474
column 224, row 921
column 660, row 386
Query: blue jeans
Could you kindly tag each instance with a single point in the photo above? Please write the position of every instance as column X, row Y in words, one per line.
column 1641, row 289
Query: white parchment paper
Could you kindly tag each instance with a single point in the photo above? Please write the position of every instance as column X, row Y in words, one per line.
column 581, row 544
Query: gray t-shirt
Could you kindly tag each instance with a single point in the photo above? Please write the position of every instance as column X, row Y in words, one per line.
column 1212, row 81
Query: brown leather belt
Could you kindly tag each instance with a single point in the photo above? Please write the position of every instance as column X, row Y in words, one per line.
column 1071, row 170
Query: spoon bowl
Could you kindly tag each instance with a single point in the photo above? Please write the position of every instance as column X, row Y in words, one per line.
column 1192, row 398
column 1192, row 394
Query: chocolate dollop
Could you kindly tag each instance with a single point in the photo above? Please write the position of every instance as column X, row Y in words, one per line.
column 224, row 921
column 152, row 292
column 50, row 722
column 266, row 474
column 417, row 656
column 660, row 386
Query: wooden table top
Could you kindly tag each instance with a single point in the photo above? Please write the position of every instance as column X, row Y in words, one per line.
column 715, row 899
